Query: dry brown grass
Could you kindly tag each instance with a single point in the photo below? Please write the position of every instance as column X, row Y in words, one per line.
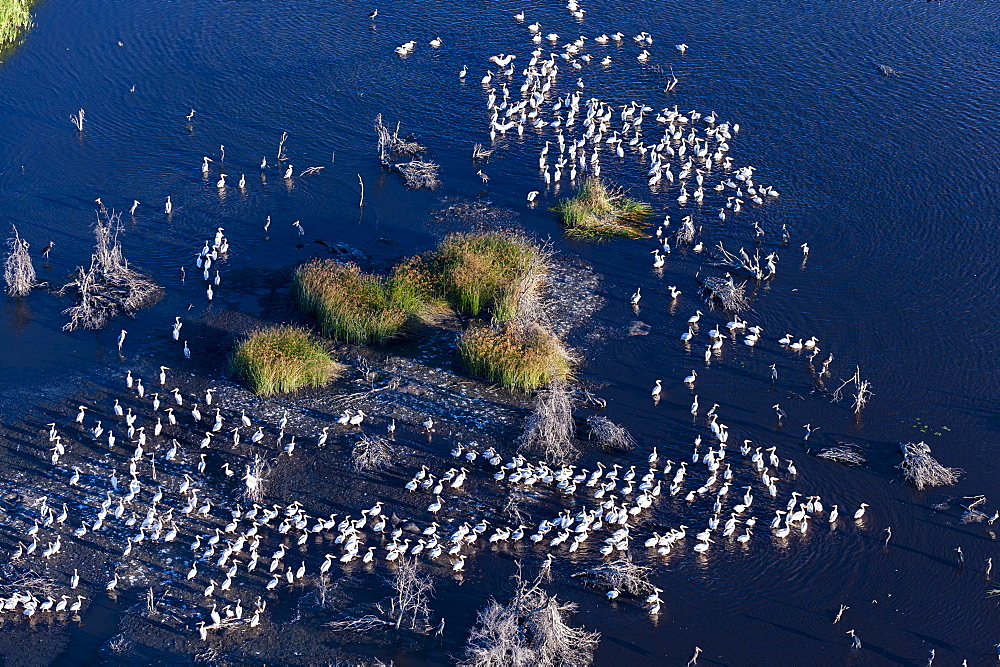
column 518, row 355
column 492, row 271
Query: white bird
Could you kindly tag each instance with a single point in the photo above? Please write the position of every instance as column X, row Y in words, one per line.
column 657, row 389
column 861, row 511
column 682, row 48
column 121, row 339
column 636, row 296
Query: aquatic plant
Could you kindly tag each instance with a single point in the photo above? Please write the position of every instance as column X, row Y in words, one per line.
column 110, row 287
column 15, row 18
column 18, row 272
column 495, row 271
column 282, row 359
column 531, row 629
column 549, row 429
column 597, row 211
column 356, row 307
column 518, row 355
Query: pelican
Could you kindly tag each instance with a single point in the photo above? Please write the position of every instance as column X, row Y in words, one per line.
column 636, row 296
column 689, row 380
column 657, row 389
column 861, row 511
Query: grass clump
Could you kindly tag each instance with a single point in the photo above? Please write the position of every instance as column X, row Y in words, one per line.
column 492, row 271
column 15, row 17
column 597, row 212
column 517, row 355
column 282, row 359
column 356, row 307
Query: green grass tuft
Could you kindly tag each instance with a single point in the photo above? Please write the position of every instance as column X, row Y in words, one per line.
column 598, row 212
column 282, row 359
column 356, row 307
column 516, row 355
column 489, row 271
column 15, row 18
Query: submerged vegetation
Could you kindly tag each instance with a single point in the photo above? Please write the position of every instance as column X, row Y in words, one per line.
column 282, row 359
column 15, row 18
column 516, row 354
column 597, row 212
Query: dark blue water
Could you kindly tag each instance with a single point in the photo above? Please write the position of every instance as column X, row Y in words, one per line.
column 891, row 181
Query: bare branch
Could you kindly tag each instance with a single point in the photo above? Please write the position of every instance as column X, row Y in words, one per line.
column 18, row 272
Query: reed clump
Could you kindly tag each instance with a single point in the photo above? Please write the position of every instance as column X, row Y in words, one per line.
column 494, row 271
column 517, row 355
column 15, row 18
column 357, row 307
column 282, row 359
column 598, row 212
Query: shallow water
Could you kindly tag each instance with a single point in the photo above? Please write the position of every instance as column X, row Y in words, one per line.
column 889, row 179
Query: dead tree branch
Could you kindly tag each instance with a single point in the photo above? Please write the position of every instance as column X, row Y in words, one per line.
column 922, row 470
column 18, row 272
column 110, row 287
column 549, row 429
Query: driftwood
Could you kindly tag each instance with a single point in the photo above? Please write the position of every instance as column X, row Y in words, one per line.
column 110, row 287
column 18, row 272
column 972, row 513
column 609, row 436
column 741, row 261
column 621, row 575
column 371, row 452
column 256, row 479
column 416, row 173
column 845, row 453
column 685, row 234
column 549, row 429
column 885, row 69
column 529, row 630
column 726, row 291
column 922, row 470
